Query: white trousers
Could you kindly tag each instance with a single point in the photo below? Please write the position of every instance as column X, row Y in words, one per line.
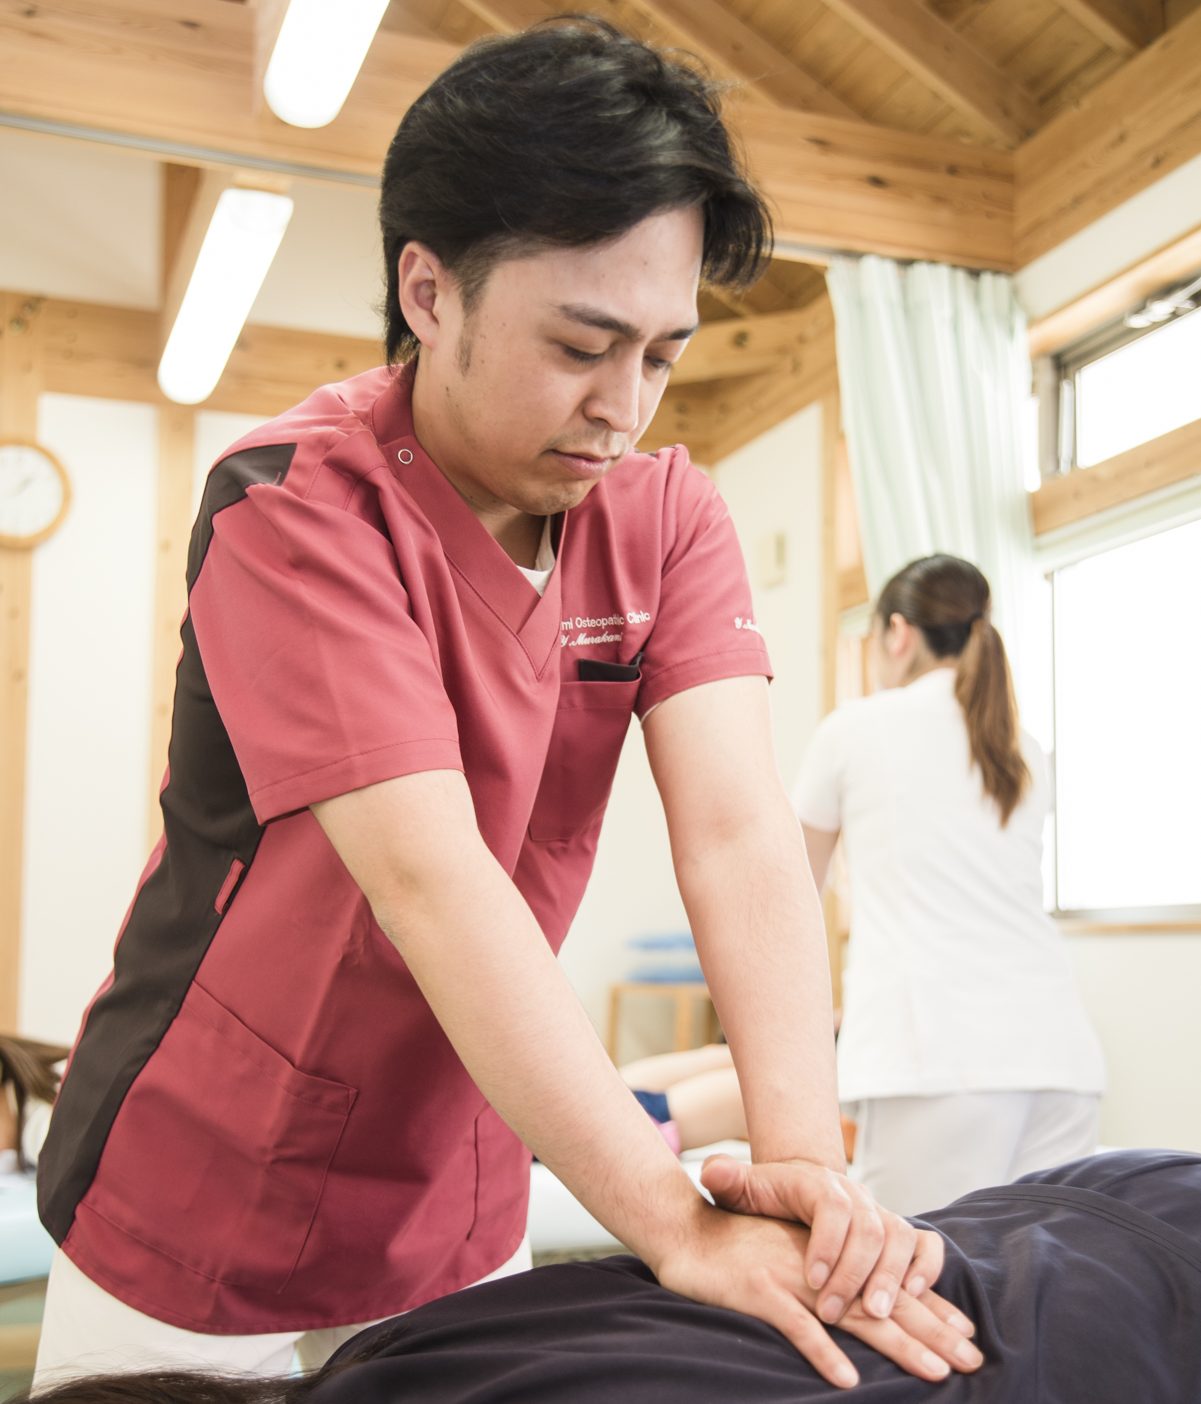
column 87, row 1331
column 918, row 1153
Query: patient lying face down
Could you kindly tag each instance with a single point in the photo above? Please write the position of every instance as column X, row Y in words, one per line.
column 1085, row 1283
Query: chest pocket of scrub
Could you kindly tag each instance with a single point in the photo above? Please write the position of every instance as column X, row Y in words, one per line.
column 590, row 726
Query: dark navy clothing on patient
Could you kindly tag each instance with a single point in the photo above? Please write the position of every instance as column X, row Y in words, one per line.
column 654, row 1104
column 1084, row 1283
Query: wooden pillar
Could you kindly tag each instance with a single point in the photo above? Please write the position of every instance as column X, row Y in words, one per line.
column 20, row 385
column 176, row 454
column 830, row 607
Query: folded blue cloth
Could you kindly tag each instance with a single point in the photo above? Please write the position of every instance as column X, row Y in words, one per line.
column 679, row 974
column 663, row 941
column 25, row 1246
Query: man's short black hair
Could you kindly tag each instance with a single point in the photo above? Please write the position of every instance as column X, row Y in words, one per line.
column 567, row 134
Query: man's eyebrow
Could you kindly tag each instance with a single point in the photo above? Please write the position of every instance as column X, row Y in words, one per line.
column 594, row 317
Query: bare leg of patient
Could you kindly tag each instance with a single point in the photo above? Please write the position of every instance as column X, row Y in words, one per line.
column 708, row 1108
column 664, row 1070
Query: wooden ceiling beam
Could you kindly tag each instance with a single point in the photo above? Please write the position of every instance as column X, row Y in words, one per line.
column 840, row 185
column 685, row 416
column 188, row 223
column 182, row 74
column 113, row 352
column 1126, row 26
column 1131, row 130
column 945, row 61
column 747, row 407
column 776, row 341
column 835, row 183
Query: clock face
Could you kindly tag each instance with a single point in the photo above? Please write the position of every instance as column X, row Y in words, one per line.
column 34, row 493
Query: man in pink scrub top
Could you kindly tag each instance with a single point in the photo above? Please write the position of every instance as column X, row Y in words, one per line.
column 423, row 606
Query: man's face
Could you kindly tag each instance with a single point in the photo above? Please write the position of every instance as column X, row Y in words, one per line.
column 551, row 378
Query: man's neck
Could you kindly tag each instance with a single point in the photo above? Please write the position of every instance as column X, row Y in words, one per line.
column 517, row 533
column 520, row 539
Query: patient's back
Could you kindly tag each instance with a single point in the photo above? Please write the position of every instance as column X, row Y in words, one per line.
column 1084, row 1282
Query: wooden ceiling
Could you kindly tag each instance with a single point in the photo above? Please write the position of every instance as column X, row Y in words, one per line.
column 980, row 132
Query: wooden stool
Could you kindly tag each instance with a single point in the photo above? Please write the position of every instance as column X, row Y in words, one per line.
column 685, row 997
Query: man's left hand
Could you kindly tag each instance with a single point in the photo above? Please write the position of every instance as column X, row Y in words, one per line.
column 856, row 1248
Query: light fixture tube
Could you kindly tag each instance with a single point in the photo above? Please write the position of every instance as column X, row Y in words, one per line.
column 317, row 56
column 242, row 238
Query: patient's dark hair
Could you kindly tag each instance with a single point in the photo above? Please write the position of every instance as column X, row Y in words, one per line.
column 565, row 135
column 28, row 1068
column 174, row 1387
column 948, row 599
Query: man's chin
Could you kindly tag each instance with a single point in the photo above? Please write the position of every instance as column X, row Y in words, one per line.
column 561, row 498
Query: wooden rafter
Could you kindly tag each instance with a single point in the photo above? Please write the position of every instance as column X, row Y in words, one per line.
column 1128, row 132
column 728, row 46
column 1126, row 26
column 508, row 16
column 947, row 62
column 731, row 47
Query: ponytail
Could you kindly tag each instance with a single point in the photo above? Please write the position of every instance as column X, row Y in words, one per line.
column 948, row 599
column 984, row 689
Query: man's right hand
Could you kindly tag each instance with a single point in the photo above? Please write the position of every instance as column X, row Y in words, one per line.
column 757, row 1266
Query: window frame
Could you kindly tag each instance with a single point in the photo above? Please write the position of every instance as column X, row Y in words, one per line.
column 1057, row 378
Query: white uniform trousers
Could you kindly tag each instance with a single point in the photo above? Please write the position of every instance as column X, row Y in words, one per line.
column 918, row 1153
column 87, row 1331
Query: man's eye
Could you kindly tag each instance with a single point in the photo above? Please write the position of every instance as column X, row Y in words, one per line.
column 584, row 357
column 658, row 363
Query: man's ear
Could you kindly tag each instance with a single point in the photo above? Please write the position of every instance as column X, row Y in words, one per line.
column 423, row 283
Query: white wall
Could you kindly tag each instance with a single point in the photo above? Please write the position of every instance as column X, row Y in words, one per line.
column 773, row 484
column 1141, row 991
column 88, row 755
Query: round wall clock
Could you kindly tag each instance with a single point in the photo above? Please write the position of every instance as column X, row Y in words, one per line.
column 35, row 493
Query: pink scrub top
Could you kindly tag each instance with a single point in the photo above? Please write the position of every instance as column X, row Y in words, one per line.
column 263, row 1127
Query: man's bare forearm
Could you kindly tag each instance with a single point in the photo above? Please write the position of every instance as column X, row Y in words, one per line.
column 758, row 924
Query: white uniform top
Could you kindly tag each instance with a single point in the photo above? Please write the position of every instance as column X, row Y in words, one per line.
column 957, row 979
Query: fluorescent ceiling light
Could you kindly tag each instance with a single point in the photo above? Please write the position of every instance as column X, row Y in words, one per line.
column 317, row 57
column 242, row 238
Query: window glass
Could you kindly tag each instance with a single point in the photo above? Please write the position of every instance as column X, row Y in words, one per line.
column 1128, row 726
column 1139, row 391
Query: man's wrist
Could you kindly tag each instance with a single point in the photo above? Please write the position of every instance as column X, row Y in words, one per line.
column 677, row 1218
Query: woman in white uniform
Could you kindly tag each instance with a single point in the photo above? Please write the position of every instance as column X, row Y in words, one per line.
column 964, row 1046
